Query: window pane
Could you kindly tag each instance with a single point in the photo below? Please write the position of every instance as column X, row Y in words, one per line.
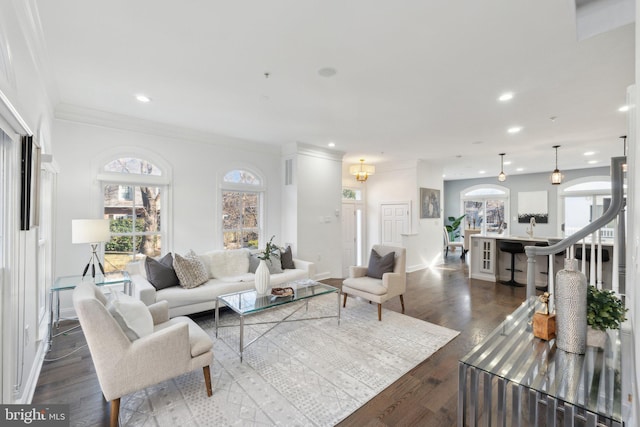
column 133, row 166
column 241, row 177
column 250, row 210
column 148, row 209
column 474, row 213
column 231, row 214
column 495, row 216
column 241, row 239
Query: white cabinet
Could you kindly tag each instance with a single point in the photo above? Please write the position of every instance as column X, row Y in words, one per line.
column 483, row 258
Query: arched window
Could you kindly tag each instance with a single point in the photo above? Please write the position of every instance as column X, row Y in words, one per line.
column 582, row 201
column 485, row 207
column 242, row 207
column 133, row 199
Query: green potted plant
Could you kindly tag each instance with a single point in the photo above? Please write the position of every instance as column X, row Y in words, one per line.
column 454, row 228
column 604, row 309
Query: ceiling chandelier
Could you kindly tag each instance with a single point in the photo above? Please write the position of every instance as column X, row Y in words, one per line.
column 362, row 171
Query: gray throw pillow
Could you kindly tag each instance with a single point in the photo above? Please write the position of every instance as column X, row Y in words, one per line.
column 379, row 265
column 254, row 261
column 274, row 264
column 160, row 273
column 286, row 259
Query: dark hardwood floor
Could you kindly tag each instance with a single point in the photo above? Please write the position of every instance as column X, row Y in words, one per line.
column 426, row 396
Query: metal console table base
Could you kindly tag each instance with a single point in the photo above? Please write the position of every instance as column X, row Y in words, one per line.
column 515, row 379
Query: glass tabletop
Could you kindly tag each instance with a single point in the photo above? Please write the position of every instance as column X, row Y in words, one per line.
column 70, row 282
column 250, row 302
column 591, row 381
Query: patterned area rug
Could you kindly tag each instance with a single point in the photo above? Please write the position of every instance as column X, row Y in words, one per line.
column 307, row 373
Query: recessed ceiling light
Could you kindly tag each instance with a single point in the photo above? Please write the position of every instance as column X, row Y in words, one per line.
column 514, row 129
column 506, row 96
column 332, row 144
column 482, row 172
column 327, row 72
column 623, row 109
column 143, row 98
column 508, row 162
column 589, row 153
column 519, row 169
column 444, row 176
column 592, row 162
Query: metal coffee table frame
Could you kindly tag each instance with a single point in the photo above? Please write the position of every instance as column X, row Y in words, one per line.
column 249, row 302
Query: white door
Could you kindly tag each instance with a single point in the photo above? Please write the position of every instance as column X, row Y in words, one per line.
column 395, row 221
column 349, row 241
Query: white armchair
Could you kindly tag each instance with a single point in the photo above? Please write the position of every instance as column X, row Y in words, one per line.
column 376, row 290
column 174, row 347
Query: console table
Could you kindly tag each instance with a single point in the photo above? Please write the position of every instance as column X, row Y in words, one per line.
column 513, row 378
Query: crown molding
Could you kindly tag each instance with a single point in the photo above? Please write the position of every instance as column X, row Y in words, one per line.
column 314, row 151
column 90, row 116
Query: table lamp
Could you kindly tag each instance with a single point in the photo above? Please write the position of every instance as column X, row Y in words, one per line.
column 94, row 232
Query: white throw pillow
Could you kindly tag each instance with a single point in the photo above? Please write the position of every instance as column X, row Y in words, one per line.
column 131, row 314
column 228, row 263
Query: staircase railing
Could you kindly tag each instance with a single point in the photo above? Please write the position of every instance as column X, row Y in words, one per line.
column 616, row 208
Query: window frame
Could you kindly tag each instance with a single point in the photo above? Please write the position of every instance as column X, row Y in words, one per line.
column 163, row 181
column 260, row 189
column 506, row 196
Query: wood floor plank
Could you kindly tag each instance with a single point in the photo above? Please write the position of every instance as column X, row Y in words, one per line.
column 425, row 396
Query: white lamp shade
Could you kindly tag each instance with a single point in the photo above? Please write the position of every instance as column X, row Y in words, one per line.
column 367, row 169
column 90, row 230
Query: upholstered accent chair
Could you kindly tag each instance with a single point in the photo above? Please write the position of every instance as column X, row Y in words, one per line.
column 378, row 290
column 172, row 346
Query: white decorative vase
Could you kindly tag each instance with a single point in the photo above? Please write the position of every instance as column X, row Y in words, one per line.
column 571, row 308
column 263, row 278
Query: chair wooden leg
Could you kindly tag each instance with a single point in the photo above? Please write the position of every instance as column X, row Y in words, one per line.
column 344, row 303
column 380, row 312
column 402, row 302
column 115, row 412
column 207, row 380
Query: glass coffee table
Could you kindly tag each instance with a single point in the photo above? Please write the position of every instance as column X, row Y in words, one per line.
column 246, row 303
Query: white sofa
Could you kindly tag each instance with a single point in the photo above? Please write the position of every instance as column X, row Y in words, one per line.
column 228, row 272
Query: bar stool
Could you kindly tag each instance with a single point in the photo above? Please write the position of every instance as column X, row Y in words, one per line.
column 605, row 256
column 513, row 248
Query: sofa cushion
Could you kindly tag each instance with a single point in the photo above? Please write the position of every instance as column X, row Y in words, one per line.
column 160, row 273
column 274, row 264
column 209, row 291
column 254, row 262
column 378, row 265
column 190, row 270
column 228, row 263
column 131, row 314
column 286, row 259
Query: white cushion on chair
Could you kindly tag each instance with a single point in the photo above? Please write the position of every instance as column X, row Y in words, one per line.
column 132, row 315
column 366, row 284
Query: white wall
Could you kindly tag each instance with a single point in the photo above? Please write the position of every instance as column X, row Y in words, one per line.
column 401, row 182
column 319, row 197
column 197, row 169
column 23, row 87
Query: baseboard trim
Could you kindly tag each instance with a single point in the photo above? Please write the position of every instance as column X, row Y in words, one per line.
column 34, row 374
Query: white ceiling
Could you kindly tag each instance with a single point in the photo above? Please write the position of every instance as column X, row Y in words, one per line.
column 415, row 79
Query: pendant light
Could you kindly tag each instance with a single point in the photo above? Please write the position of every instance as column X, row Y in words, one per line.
column 556, row 176
column 624, row 152
column 502, row 177
column 362, row 171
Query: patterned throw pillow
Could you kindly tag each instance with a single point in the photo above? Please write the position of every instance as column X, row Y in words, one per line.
column 190, row 270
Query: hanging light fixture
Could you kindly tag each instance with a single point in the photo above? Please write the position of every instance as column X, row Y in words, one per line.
column 556, row 176
column 362, row 171
column 502, row 177
column 624, row 151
